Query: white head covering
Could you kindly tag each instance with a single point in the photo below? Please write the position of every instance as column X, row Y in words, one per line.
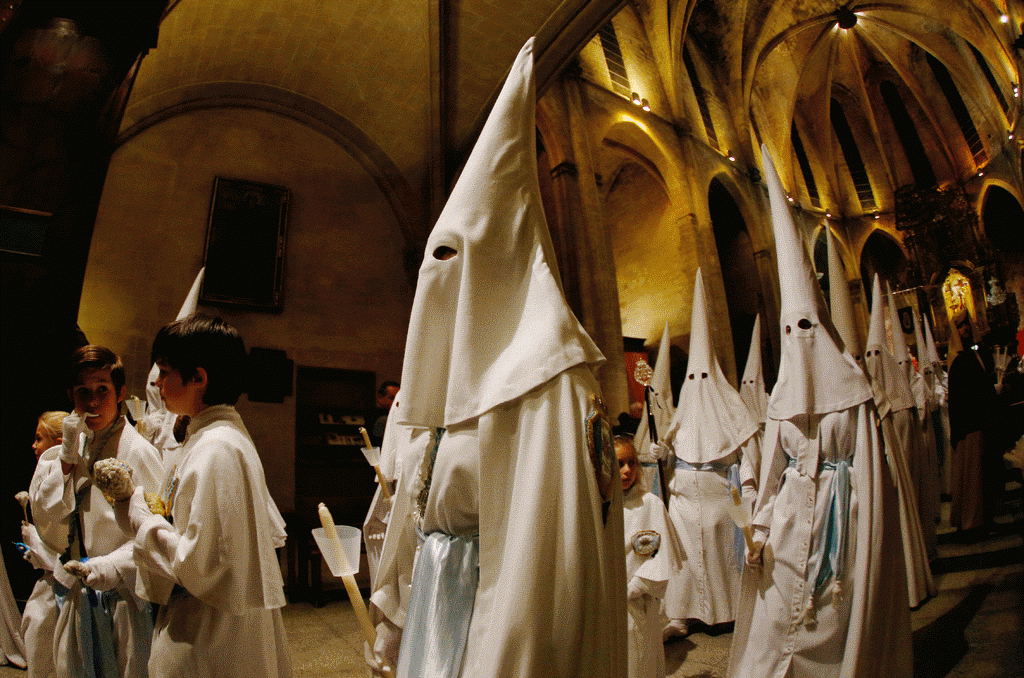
column 902, row 354
column 881, row 366
column 842, row 306
column 491, row 323
column 933, row 353
column 661, row 382
column 815, row 374
column 924, row 365
column 711, row 420
column 752, row 390
column 188, row 308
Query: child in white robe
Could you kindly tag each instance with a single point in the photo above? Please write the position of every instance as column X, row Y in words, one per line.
column 39, row 619
column 101, row 624
column 210, row 562
column 651, row 557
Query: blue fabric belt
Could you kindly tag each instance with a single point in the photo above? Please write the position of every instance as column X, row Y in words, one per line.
column 444, row 584
column 831, row 546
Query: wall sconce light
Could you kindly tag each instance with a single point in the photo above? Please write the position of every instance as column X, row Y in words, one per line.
column 644, row 105
column 636, row 98
column 878, row 216
column 1016, row 91
column 1010, row 136
column 789, row 198
column 828, row 215
column 1003, row 19
column 981, row 174
column 732, row 158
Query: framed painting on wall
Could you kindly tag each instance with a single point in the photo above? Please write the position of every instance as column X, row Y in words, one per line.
column 245, row 245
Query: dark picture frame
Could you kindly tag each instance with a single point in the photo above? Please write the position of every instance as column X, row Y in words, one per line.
column 245, row 245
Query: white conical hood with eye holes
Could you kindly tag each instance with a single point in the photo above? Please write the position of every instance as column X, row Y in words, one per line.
column 153, row 398
column 711, row 420
column 661, row 383
column 882, row 368
column 815, row 375
column 490, row 323
column 752, row 384
column 924, row 364
column 933, row 352
column 842, row 306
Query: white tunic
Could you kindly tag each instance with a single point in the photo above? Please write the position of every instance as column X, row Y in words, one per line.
column 100, row 536
column 782, row 628
column 223, row 616
column 551, row 594
column 649, row 572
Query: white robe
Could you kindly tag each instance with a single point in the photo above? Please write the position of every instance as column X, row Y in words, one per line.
column 102, row 536
column 551, row 594
column 643, row 513
column 223, row 616
column 865, row 631
column 10, row 636
column 707, row 584
column 39, row 620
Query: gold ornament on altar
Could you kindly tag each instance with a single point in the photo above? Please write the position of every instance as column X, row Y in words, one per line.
column 956, row 291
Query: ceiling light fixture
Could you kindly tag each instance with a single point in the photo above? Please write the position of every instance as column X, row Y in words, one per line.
column 846, row 17
column 636, row 98
column 1003, row 19
column 644, row 105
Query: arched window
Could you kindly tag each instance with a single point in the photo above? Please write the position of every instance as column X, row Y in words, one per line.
column 920, row 166
column 805, row 165
column 983, row 65
column 613, row 57
column 702, row 104
column 960, row 112
column 854, row 162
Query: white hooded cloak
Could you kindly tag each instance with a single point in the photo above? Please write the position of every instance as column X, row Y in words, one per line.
column 497, row 404
column 715, row 446
column 661, row 409
column 752, row 390
column 829, row 598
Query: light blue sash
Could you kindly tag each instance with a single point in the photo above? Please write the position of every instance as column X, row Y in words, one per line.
column 831, row 547
column 444, row 584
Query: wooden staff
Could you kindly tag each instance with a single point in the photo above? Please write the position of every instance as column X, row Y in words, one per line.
column 380, row 476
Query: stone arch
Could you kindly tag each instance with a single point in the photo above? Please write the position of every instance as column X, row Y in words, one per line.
column 384, row 172
column 1002, row 219
column 884, row 255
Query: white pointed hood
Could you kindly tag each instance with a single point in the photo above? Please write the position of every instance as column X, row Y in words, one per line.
column 490, row 323
column 842, row 306
column 752, row 390
column 902, row 354
column 924, row 365
column 661, row 382
column 711, row 420
column 882, row 368
column 155, row 402
column 815, row 374
column 933, row 357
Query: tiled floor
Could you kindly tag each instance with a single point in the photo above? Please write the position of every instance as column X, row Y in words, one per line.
column 973, row 628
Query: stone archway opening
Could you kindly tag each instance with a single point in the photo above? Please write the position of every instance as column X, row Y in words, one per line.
column 881, row 255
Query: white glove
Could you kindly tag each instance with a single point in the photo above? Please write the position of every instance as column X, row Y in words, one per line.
column 131, row 512
column 76, row 436
column 755, row 556
column 635, row 589
column 38, row 554
column 383, row 658
column 103, row 574
column 660, row 451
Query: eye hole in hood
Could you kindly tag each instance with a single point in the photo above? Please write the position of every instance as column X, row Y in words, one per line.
column 444, row 253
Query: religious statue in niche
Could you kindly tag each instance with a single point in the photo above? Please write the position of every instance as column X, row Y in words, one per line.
column 956, row 291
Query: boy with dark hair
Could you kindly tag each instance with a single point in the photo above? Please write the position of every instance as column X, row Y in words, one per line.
column 211, row 562
column 102, row 627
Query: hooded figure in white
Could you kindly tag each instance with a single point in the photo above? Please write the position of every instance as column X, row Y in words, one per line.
column 661, row 409
column 715, row 446
column 940, row 414
column 925, row 470
column 824, row 594
column 902, row 436
column 503, row 458
column 752, row 390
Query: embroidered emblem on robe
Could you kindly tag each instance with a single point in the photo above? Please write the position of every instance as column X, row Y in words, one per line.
column 646, row 542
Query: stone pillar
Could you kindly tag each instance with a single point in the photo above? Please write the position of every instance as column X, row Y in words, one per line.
column 590, row 283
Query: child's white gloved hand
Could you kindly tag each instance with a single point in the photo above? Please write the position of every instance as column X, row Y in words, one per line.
column 635, row 589
column 38, row 554
column 660, row 451
column 383, row 657
column 102, row 573
column 131, row 512
column 76, row 436
column 755, row 557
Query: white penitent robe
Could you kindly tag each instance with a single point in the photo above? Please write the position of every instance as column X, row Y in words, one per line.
column 857, row 624
column 652, row 555
column 213, row 568
column 551, row 594
column 708, row 582
column 101, row 536
column 11, row 644
column 902, row 438
column 39, row 620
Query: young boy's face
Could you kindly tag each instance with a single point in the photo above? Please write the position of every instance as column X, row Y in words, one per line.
column 628, row 464
column 95, row 394
column 179, row 396
column 43, row 441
